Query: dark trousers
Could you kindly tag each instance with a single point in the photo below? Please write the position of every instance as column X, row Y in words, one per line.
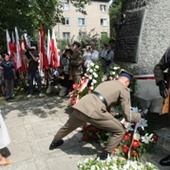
column 31, row 77
column 112, row 125
column 9, row 88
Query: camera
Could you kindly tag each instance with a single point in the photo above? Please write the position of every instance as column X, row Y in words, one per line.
column 89, row 47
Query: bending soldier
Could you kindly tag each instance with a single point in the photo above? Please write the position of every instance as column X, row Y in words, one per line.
column 92, row 108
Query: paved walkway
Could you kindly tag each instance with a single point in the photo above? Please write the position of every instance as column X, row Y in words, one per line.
column 32, row 124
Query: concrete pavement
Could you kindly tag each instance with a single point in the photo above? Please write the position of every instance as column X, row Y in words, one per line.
column 33, row 122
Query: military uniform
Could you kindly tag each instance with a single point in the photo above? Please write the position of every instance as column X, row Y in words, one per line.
column 91, row 109
column 76, row 63
column 76, row 66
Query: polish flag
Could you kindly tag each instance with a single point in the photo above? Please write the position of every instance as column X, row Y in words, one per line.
column 25, row 43
column 13, row 46
column 43, row 55
column 54, row 52
column 18, row 50
column 49, row 48
column 8, row 40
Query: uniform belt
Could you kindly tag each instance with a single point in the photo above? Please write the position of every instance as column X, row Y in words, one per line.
column 102, row 99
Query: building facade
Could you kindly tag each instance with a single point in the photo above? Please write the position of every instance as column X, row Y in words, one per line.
column 76, row 23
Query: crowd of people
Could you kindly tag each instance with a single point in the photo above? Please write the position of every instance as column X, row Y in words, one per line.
column 74, row 61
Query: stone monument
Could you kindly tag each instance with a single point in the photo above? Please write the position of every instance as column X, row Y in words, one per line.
column 143, row 35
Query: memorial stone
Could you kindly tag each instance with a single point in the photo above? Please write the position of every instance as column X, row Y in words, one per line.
column 128, row 36
column 143, row 34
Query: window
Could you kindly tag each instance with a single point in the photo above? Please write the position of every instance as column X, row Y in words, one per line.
column 103, row 22
column 65, row 6
column 103, row 8
column 66, row 21
column 66, row 35
column 81, row 21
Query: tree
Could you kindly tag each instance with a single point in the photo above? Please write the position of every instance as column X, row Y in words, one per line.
column 30, row 14
column 115, row 14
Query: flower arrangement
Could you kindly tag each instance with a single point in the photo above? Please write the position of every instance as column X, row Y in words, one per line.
column 79, row 90
column 116, row 163
column 92, row 134
column 94, row 76
column 136, row 141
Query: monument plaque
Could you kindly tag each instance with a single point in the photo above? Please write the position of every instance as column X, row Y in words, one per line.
column 128, row 36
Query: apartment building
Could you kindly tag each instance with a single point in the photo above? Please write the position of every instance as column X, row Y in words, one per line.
column 77, row 23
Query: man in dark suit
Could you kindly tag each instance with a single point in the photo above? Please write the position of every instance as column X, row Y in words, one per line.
column 92, row 108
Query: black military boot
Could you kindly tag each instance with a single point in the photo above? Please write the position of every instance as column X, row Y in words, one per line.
column 165, row 161
column 103, row 155
column 54, row 145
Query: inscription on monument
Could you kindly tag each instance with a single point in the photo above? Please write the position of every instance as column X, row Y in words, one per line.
column 128, row 36
column 135, row 4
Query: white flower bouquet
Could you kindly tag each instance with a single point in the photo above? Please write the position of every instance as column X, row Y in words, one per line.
column 114, row 163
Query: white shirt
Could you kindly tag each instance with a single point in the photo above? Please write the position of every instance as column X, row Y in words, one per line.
column 95, row 56
column 87, row 58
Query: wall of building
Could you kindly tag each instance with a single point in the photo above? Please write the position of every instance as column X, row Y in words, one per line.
column 92, row 20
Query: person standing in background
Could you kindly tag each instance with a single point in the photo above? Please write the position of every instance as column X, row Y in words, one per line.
column 109, row 58
column 76, row 63
column 87, row 57
column 94, row 52
column 33, row 71
column 8, row 76
column 1, row 81
column 102, row 56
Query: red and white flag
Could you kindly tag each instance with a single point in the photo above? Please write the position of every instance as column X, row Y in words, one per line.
column 13, row 46
column 42, row 50
column 8, row 40
column 54, row 52
column 18, row 50
column 25, row 43
column 49, row 48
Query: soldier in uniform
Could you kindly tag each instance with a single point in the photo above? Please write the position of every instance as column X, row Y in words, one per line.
column 76, row 63
column 163, row 82
column 92, row 108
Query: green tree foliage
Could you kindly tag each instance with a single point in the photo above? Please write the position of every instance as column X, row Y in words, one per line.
column 87, row 37
column 115, row 13
column 80, row 4
column 30, row 14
